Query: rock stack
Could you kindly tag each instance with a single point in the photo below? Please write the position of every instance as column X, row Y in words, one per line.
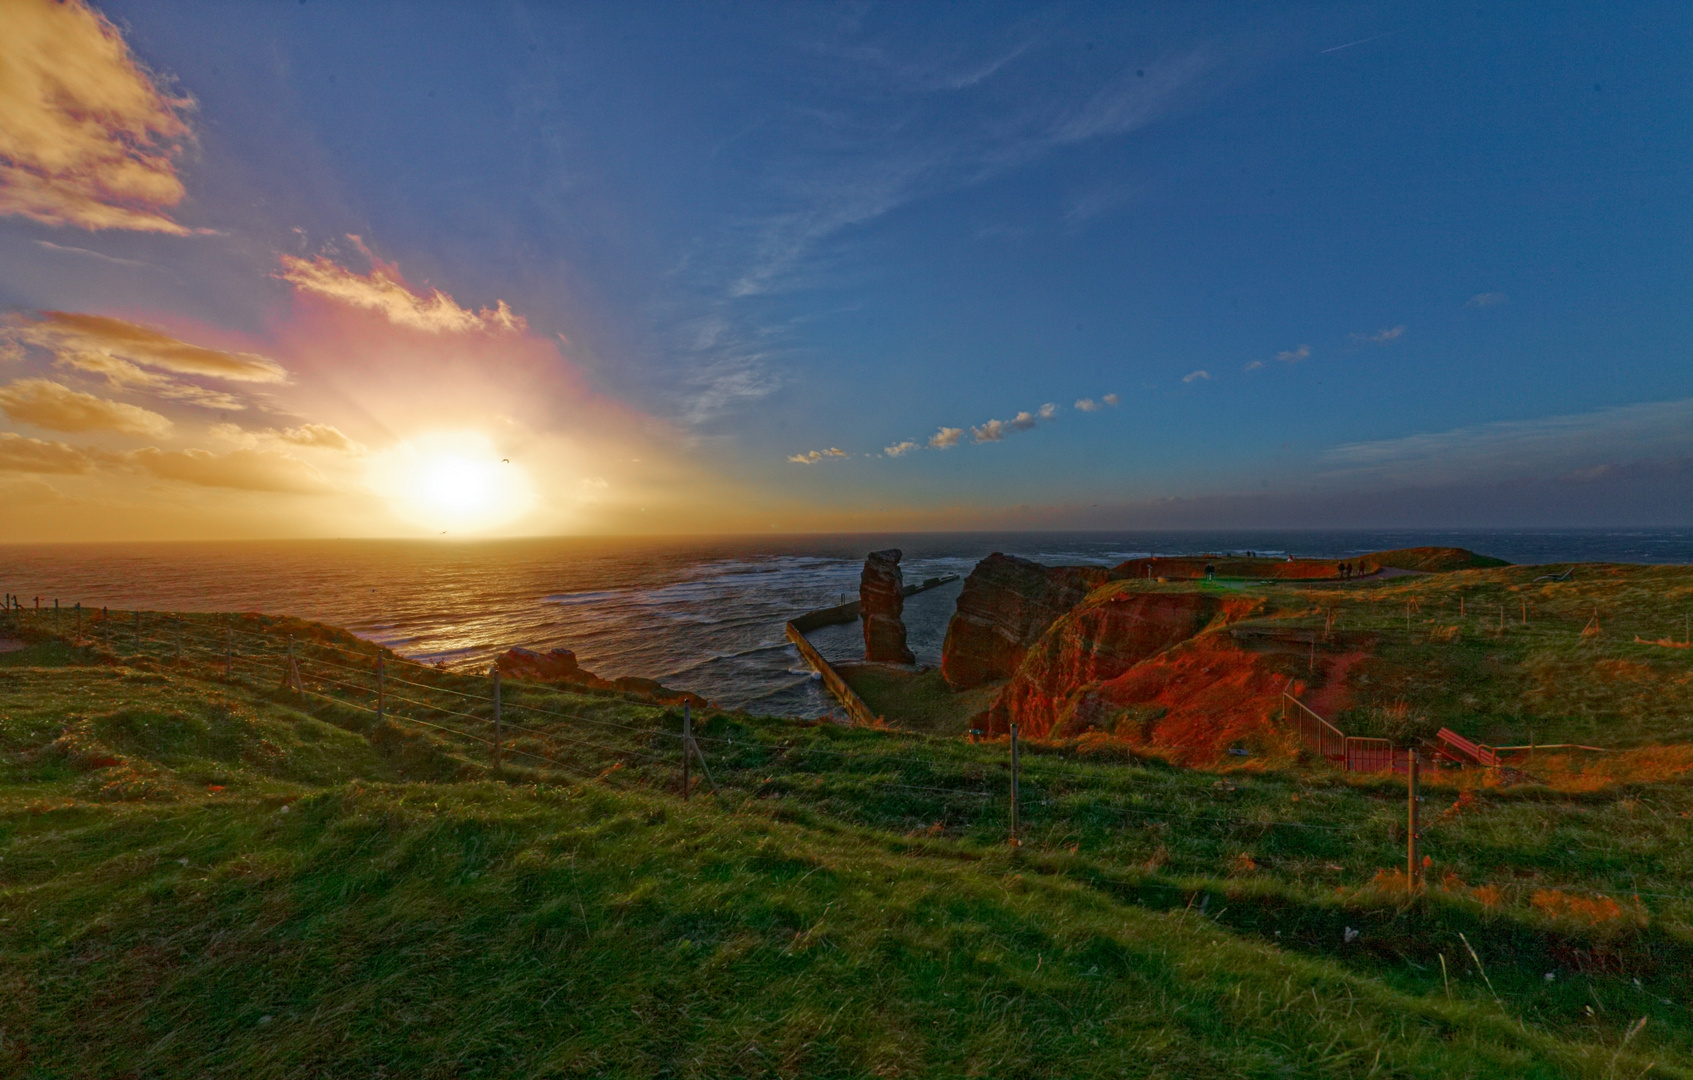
column 881, row 603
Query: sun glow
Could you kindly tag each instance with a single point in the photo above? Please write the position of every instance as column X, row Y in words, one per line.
column 453, row 482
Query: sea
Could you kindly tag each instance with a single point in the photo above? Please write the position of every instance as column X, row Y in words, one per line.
column 703, row 614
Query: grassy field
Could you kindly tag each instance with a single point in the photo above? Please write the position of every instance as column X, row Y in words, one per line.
column 202, row 875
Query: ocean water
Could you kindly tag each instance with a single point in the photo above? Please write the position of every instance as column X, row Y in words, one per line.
column 703, row 614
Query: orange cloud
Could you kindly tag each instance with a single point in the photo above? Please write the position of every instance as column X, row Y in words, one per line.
column 87, row 138
column 47, row 404
column 19, row 453
column 72, row 337
column 385, row 291
column 244, row 470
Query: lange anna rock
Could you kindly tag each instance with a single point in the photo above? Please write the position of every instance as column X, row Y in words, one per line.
column 881, row 602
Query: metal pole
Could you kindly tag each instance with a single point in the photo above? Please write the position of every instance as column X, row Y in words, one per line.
column 1413, row 863
column 1015, row 764
column 687, row 742
column 381, row 686
column 496, row 673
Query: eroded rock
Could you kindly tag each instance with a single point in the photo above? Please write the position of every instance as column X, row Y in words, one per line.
column 1006, row 605
column 559, row 667
column 881, row 604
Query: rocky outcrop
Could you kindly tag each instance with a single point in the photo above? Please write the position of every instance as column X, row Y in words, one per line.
column 1108, row 633
column 881, row 604
column 1006, row 605
column 559, row 667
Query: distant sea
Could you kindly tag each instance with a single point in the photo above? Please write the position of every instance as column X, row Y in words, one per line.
column 704, row 614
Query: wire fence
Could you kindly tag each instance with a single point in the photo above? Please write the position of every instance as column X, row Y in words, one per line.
column 469, row 718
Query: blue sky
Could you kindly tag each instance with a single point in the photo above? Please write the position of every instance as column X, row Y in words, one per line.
column 1340, row 264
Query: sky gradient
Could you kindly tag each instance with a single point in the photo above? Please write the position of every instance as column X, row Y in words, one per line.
column 314, row 269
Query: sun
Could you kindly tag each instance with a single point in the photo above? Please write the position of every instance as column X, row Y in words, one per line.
column 452, row 481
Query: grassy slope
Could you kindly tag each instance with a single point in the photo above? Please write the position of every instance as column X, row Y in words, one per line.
column 847, row 908
column 921, row 701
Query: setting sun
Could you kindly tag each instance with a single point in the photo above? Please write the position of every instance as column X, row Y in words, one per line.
column 452, row 481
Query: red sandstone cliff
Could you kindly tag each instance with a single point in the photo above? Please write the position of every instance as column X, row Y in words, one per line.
column 881, row 604
column 1109, row 632
column 1006, row 605
column 559, row 667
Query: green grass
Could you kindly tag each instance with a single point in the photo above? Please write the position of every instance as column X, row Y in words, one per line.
column 364, row 899
column 919, row 701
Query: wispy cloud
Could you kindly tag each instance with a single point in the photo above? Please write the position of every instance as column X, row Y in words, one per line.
column 1380, row 337
column 1293, row 356
column 945, row 438
column 812, row 457
column 1111, row 400
column 1197, row 376
column 87, row 137
column 310, row 436
column 46, row 404
column 385, row 291
column 1539, row 447
column 899, row 448
column 1487, row 299
column 1087, row 404
column 1254, row 366
column 69, row 250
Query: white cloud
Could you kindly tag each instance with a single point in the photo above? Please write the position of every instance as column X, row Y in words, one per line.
column 946, row 437
column 1048, row 411
column 1111, row 400
column 1293, row 356
column 899, row 448
column 1487, row 299
column 1196, row 376
column 1380, row 337
column 812, row 457
column 1087, row 404
column 992, row 431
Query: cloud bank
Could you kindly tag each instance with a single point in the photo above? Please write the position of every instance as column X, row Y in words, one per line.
column 812, row 457
column 46, row 404
column 87, row 136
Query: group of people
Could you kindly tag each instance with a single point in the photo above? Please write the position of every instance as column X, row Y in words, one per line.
column 1348, row 571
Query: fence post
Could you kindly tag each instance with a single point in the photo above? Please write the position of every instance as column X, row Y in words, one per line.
column 1413, row 861
column 293, row 672
column 496, row 673
column 138, row 630
column 687, row 744
column 381, row 687
column 58, row 620
column 79, row 622
column 228, row 648
column 1015, row 764
column 105, row 626
column 178, row 638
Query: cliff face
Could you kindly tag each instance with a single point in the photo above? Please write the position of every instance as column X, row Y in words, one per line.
column 1155, row 669
column 1006, row 605
column 881, row 604
column 1105, row 635
column 559, row 667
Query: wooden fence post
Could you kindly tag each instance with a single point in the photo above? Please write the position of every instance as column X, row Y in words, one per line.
column 292, row 675
column 1413, row 861
column 1015, row 768
column 137, row 630
column 496, row 673
column 687, row 749
column 380, row 689
column 228, row 648
column 79, row 621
